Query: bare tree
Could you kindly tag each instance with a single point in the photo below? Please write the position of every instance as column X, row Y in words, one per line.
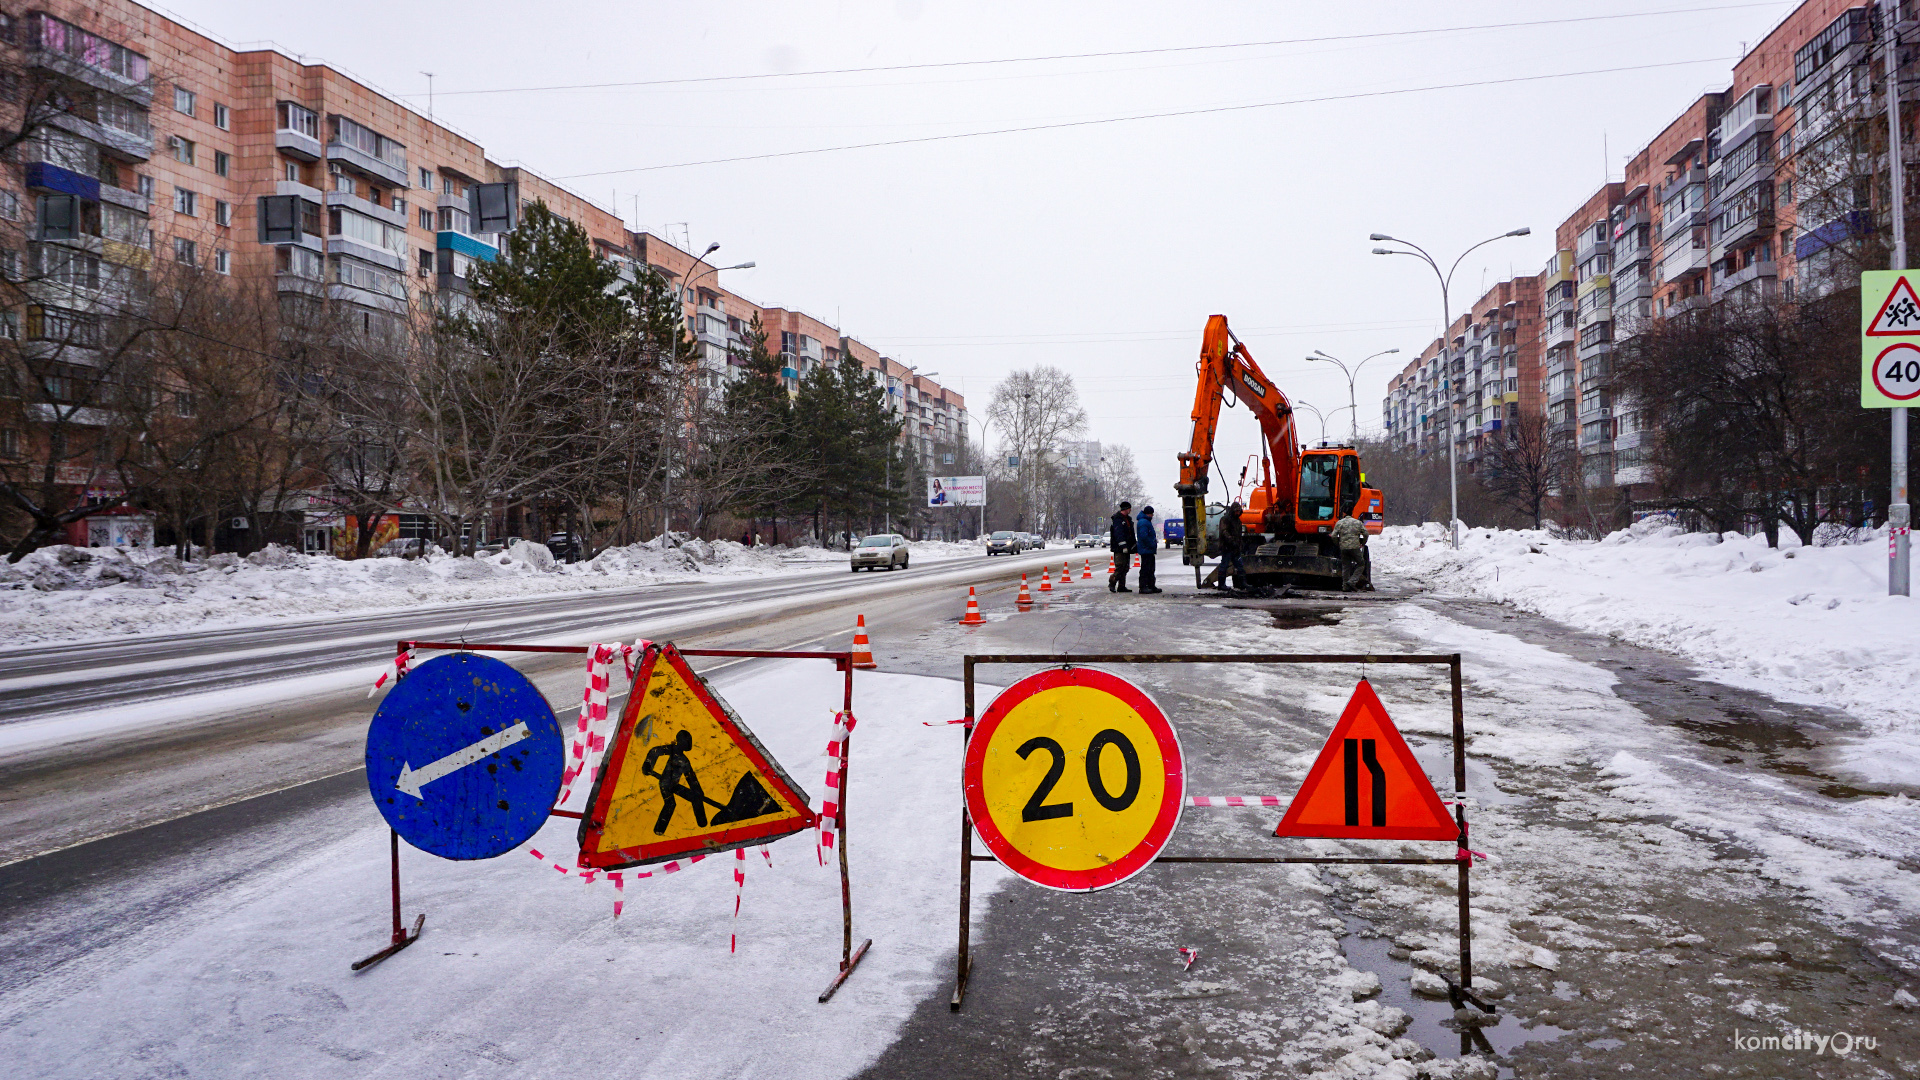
column 1523, row 465
column 1034, row 411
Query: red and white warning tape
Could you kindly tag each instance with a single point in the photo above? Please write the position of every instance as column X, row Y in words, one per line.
column 967, row 720
column 1187, row 957
column 618, row 877
column 590, row 730
column 1236, row 800
column 401, row 661
column 829, row 816
column 1894, row 533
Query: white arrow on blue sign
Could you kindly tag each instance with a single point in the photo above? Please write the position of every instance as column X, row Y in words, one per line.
column 489, row 752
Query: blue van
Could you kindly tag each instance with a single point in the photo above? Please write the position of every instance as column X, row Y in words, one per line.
column 1176, row 531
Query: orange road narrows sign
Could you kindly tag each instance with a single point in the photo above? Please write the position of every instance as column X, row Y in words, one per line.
column 683, row 776
column 1366, row 784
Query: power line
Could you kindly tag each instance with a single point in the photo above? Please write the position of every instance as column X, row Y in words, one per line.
column 1107, row 55
column 1144, row 116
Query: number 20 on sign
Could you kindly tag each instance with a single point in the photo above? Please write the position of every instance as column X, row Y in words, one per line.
column 1074, row 779
column 1889, row 339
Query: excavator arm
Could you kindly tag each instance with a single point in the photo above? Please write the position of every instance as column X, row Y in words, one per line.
column 1227, row 367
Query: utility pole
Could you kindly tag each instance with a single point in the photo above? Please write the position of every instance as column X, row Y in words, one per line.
column 1899, row 513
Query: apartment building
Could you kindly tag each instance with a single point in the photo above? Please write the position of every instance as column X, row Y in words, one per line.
column 1492, row 359
column 172, row 150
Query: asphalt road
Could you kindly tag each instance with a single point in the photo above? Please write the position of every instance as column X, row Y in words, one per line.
column 1659, row 926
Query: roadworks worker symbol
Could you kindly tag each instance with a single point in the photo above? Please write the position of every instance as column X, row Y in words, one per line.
column 683, row 776
column 1074, row 779
column 1366, row 783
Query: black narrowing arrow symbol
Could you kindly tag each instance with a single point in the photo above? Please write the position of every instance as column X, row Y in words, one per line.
column 1358, row 750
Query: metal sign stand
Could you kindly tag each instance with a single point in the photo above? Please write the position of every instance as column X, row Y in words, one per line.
column 1460, row 992
column 842, row 661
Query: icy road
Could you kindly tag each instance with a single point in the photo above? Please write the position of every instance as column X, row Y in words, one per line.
column 1680, row 871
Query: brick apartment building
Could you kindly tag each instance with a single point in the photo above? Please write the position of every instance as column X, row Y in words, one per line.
column 174, row 147
column 1491, row 372
column 1752, row 192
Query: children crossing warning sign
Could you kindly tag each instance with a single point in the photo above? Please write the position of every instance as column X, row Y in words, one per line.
column 1366, row 784
column 684, row 776
column 1889, row 340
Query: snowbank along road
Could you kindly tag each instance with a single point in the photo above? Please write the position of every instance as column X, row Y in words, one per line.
column 1680, row 871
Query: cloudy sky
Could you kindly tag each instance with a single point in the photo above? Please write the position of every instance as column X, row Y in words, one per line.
column 1099, row 247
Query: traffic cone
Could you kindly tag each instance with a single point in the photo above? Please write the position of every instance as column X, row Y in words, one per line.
column 1025, row 599
column 972, row 617
column 1136, row 562
column 1110, row 568
column 1066, row 573
column 1046, row 581
column 862, row 650
column 1086, row 571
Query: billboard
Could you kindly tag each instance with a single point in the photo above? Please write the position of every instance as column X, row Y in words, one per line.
column 956, row 491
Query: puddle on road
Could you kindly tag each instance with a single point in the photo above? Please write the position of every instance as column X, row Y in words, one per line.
column 1432, row 1023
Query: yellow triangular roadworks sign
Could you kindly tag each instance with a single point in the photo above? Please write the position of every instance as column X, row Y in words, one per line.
column 683, row 776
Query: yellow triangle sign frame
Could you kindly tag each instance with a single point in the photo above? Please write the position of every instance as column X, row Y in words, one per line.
column 651, row 801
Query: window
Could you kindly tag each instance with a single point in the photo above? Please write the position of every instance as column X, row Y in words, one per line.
column 56, row 324
column 182, row 149
column 453, row 220
column 10, row 205
column 122, row 115
column 400, row 206
column 368, row 141
column 183, row 100
column 10, row 442
column 369, row 277
column 343, row 183
column 293, row 171
column 367, row 230
column 185, row 251
column 426, row 261
column 144, row 185
column 299, row 118
column 222, row 213
column 299, row 262
column 62, row 266
column 426, row 178
column 222, row 163
column 184, row 201
column 9, row 264
column 426, row 219
column 222, row 118
column 222, row 262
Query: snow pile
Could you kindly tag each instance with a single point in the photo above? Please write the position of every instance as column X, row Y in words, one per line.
column 64, row 593
column 1808, row 624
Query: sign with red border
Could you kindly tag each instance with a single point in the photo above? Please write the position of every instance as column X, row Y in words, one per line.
column 1889, row 340
column 1896, row 371
column 1366, row 784
column 1074, row 779
column 683, row 776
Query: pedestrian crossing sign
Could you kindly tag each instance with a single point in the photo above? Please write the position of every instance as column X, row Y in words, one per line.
column 1366, row 784
column 684, row 776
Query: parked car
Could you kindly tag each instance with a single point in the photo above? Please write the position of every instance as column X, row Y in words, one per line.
column 886, row 549
column 565, row 546
column 1031, row 541
column 1176, row 531
column 1004, row 543
column 1086, row 540
column 407, row 547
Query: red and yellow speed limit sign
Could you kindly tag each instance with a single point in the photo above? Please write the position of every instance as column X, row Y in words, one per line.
column 1074, row 779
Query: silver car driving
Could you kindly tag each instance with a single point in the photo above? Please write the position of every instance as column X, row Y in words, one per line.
column 883, row 549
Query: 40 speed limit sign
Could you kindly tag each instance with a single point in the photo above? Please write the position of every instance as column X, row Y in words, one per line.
column 1074, row 779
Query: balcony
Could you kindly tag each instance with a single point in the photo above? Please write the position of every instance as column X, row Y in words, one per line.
column 362, row 206
column 72, row 68
column 1752, row 272
column 1590, row 246
column 461, row 244
column 392, row 174
column 297, row 144
column 346, row 245
column 1696, row 302
column 1751, row 226
column 1676, row 224
column 366, row 297
column 131, row 200
column 1683, row 260
column 124, row 145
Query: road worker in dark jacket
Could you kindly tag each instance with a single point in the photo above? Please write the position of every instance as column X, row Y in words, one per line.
column 1233, row 538
column 1121, row 542
column 1148, row 542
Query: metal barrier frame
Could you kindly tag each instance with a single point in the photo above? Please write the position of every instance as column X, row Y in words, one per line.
column 842, row 661
column 1462, row 859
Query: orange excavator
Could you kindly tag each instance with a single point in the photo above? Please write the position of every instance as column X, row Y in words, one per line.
column 1290, row 514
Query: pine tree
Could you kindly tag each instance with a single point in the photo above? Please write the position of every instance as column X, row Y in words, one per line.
column 760, row 409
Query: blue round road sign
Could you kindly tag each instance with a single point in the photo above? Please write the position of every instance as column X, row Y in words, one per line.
column 464, row 757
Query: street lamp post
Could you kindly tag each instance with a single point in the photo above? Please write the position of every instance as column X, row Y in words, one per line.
column 1352, row 401
column 1322, row 417
column 680, row 301
column 1446, row 330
